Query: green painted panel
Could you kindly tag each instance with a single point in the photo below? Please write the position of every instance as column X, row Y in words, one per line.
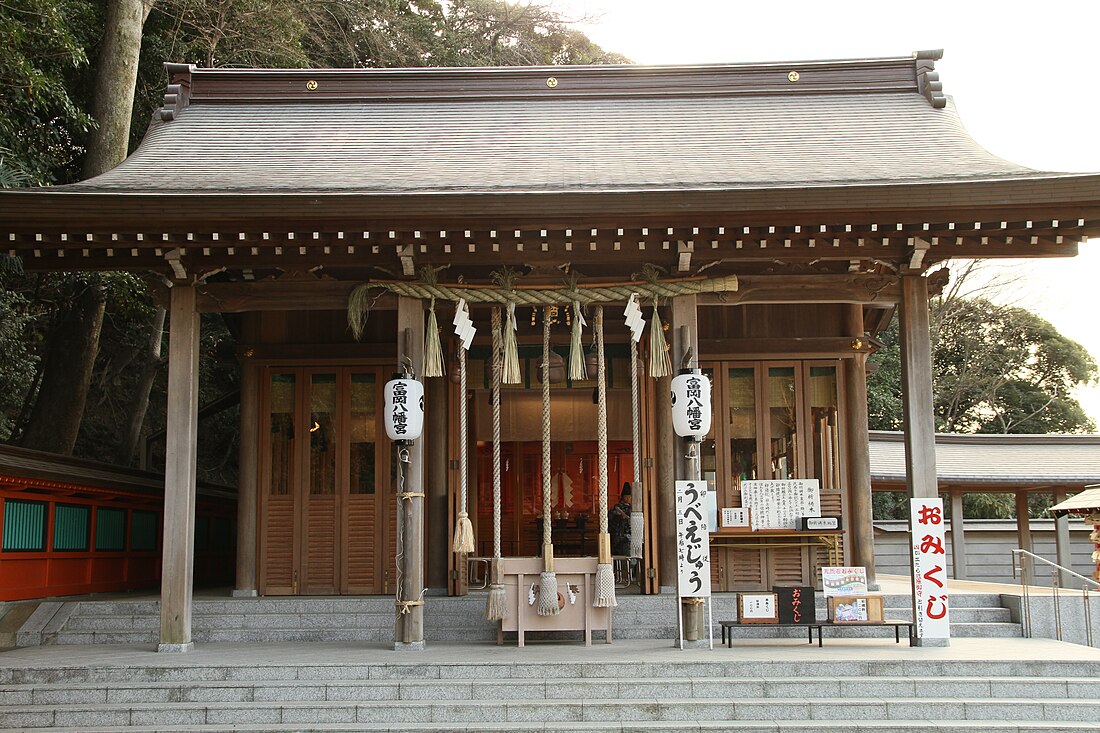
column 143, row 531
column 70, row 527
column 24, row 525
column 110, row 529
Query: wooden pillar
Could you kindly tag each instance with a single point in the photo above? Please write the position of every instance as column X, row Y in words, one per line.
column 246, row 483
column 918, row 417
column 665, row 450
column 409, row 625
column 178, row 558
column 861, row 529
column 1023, row 536
column 436, row 486
column 1061, row 540
column 685, row 335
column 959, row 564
column 916, row 388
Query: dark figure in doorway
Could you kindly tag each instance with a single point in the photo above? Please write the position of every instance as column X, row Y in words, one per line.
column 618, row 523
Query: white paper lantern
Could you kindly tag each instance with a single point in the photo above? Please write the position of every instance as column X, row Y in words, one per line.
column 404, row 409
column 691, row 409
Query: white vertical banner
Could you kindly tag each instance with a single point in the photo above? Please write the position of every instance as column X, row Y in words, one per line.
column 926, row 526
column 692, row 539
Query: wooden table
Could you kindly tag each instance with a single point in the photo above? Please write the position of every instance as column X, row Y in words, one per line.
column 729, row 626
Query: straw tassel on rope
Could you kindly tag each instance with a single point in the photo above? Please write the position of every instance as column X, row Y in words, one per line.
column 660, row 364
column 433, row 350
column 496, row 606
column 511, row 374
column 605, row 573
column 548, row 581
column 576, row 349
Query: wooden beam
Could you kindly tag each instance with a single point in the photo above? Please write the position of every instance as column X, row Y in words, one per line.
column 1063, row 549
column 861, row 527
column 816, row 288
column 916, row 376
column 409, row 622
column 1023, row 536
column 247, row 486
column 807, row 347
column 177, row 562
column 281, row 295
column 959, row 564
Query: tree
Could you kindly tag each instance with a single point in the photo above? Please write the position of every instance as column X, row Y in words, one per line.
column 996, row 369
column 115, row 80
column 46, row 88
column 42, row 120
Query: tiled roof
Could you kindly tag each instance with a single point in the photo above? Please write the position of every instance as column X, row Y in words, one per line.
column 1022, row 460
column 730, row 127
column 566, row 145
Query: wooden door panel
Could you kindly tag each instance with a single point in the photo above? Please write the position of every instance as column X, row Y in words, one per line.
column 361, row 560
column 278, row 549
column 320, row 546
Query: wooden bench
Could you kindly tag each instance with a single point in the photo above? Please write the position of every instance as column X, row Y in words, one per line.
column 729, row 626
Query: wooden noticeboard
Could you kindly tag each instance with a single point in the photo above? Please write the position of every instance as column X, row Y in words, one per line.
column 781, row 504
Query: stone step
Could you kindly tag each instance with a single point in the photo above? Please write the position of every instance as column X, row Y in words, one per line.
column 273, row 712
column 898, row 726
column 1067, row 689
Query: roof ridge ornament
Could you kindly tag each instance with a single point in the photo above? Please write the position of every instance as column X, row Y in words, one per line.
column 928, row 79
column 178, row 94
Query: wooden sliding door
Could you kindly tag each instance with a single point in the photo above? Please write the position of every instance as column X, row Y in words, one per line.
column 326, row 503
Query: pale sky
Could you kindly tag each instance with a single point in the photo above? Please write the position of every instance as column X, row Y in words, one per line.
column 1025, row 78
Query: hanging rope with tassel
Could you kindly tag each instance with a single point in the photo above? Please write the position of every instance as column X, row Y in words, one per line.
column 496, row 606
column 637, row 517
column 605, row 573
column 464, row 529
column 548, row 581
column 636, row 323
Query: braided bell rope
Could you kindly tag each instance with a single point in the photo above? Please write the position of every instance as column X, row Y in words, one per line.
column 498, row 356
column 601, row 417
column 637, row 522
column 546, row 507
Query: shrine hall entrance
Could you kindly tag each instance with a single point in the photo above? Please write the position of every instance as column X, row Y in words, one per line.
column 327, row 514
column 574, row 481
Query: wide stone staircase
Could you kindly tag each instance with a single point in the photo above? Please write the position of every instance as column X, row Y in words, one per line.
column 460, row 619
column 649, row 690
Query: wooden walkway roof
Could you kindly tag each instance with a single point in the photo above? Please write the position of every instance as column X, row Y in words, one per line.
column 994, row 462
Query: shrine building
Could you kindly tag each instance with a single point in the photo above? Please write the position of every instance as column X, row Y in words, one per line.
column 773, row 216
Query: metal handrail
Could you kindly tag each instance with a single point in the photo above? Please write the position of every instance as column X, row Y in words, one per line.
column 1055, row 584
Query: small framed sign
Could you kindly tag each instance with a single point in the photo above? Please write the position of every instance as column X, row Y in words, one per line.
column 850, row 581
column 757, row 608
column 735, row 519
column 812, row 524
column 855, row 609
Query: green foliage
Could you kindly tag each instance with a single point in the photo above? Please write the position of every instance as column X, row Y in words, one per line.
column 976, row 504
column 45, row 80
column 996, row 369
column 41, row 120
